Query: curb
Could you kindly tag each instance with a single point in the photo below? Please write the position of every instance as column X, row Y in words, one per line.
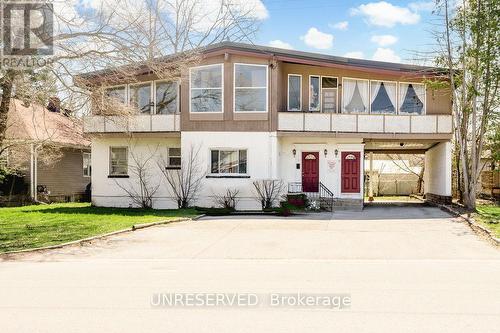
column 89, row 239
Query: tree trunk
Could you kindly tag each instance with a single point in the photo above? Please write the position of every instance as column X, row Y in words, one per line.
column 6, row 86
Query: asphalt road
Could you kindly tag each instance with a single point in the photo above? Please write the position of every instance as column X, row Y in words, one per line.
column 405, row 269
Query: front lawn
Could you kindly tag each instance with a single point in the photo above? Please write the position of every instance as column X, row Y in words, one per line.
column 489, row 217
column 42, row 225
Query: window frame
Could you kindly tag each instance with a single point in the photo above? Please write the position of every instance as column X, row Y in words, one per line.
column 178, row 110
column 170, row 166
column 234, row 87
column 117, row 175
column 397, row 97
column 309, row 93
column 226, row 174
column 151, row 92
column 288, row 93
column 343, row 99
column 424, row 111
column 321, row 93
column 221, row 65
column 125, row 86
column 89, row 167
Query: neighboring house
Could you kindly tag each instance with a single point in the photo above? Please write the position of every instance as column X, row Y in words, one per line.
column 266, row 113
column 50, row 151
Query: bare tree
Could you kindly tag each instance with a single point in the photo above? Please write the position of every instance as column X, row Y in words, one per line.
column 227, row 199
column 185, row 182
column 268, row 191
column 143, row 186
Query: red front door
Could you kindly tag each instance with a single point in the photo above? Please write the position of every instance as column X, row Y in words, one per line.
column 350, row 172
column 310, row 172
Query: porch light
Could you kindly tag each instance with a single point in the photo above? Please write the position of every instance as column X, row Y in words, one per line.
column 325, row 152
column 294, row 152
column 336, row 152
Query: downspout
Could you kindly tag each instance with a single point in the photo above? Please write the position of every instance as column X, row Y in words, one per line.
column 34, row 172
column 32, row 193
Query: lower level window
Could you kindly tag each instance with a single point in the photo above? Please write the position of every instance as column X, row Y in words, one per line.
column 229, row 161
column 86, row 165
column 118, row 161
column 174, row 157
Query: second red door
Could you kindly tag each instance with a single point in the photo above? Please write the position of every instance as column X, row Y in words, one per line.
column 310, row 171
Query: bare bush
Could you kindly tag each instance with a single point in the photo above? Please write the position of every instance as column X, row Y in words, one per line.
column 268, row 191
column 228, row 199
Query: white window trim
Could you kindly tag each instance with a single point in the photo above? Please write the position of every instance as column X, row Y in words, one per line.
column 321, row 92
column 370, row 98
column 309, row 93
column 90, row 165
column 178, row 95
column 221, row 65
column 424, row 111
column 234, row 87
column 288, row 93
column 343, row 99
column 110, row 159
column 227, row 149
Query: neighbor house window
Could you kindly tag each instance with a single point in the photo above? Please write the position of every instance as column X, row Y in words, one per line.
column 166, row 97
column 174, row 157
column 355, row 96
column 383, row 97
column 314, row 93
column 250, row 88
column 329, row 86
column 229, row 161
column 118, row 161
column 116, row 94
column 294, row 92
column 411, row 98
column 87, row 168
column 140, row 97
column 206, row 84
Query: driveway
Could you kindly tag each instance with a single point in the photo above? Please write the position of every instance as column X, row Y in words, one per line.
column 406, row 269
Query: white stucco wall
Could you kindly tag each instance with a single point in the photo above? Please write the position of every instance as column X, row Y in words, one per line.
column 107, row 191
column 329, row 165
column 437, row 174
column 262, row 163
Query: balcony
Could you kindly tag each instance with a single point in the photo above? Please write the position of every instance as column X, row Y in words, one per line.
column 139, row 123
column 365, row 123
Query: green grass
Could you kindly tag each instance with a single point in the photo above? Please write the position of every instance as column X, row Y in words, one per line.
column 489, row 217
column 42, row 225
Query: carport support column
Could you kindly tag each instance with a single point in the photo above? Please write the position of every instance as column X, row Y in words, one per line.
column 370, row 182
column 437, row 174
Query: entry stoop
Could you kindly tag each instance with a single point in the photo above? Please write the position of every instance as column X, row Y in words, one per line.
column 347, row 204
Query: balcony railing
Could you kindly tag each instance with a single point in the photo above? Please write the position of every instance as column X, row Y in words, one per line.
column 138, row 123
column 364, row 123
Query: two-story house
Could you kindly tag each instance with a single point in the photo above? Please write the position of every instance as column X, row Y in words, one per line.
column 265, row 113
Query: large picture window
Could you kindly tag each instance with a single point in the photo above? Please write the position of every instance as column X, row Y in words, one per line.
column 166, row 97
column 118, row 161
column 117, row 94
column 314, row 85
column 383, row 97
column 294, row 92
column 229, row 161
column 250, row 88
column 206, row 84
column 411, row 98
column 140, row 97
column 355, row 96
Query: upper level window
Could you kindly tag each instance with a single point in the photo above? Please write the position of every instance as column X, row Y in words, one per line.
column 117, row 94
column 140, row 97
column 87, row 167
column 383, row 97
column 118, row 161
column 329, row 94
column 229, row 161
column 411, row 98
column 294, row 92
column 355, row 96
column 206, row 84
column 166, row 97
column 314, row 93
column 250, row 88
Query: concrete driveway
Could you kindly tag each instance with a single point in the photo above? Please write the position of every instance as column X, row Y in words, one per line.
column 406, row 269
